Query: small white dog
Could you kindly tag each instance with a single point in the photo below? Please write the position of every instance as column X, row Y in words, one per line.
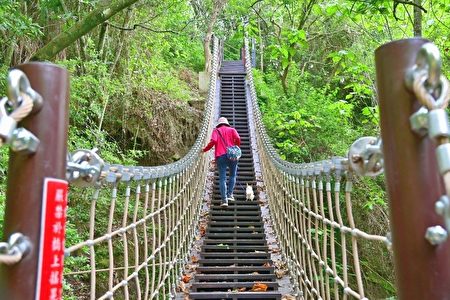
column 249, row 195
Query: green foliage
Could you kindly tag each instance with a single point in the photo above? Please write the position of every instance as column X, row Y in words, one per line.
column 15, row 23
column 309, row 125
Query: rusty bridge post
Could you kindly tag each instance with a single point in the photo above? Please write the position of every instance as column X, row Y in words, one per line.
column 413, row 180
column 26, row 174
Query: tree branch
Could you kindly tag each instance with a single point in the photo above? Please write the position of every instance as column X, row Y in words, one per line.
column 145, row 26
column 259, row 16
column 436, row 17
column 409, row 3
column 254, row 3
column 104, row 10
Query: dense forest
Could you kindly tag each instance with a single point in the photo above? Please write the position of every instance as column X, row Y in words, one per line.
column 134, row 68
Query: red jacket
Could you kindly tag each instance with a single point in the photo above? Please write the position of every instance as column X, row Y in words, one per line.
column 230, row 136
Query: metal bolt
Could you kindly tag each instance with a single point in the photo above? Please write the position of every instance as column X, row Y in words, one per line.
column 440, row 207
column 419, row 121
column 436, row 235
column 356, row 158
column 24, row 140
column 20, row 242
column 377, row 167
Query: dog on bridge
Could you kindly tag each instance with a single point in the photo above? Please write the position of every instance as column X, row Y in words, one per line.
column 249, row 195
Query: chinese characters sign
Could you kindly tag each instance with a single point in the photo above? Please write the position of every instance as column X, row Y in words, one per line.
column 51, row 250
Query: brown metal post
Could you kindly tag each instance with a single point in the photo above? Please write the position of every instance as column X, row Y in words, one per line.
column 27, row 172
column 413, row 180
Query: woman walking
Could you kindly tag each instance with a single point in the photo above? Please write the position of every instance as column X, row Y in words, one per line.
column 224, row 136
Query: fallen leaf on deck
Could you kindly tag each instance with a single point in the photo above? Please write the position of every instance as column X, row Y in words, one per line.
column 194, row 259
column 288, row 297
column 191, row 267
column 280, row 264
column 259, row 287
column 202, row 230
column 183, row 288
column 267, row 264
column 186, row 278
column 280, row 273
column 242, row 289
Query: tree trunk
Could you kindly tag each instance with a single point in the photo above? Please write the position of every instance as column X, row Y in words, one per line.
column 80, row 47
column 207, row 51
column 417, row 18
column 122, row 40
column 261, row 47
column 217, row 8
column 102, row 12
column 8, row 61
column 101, row 40
column 284, row 79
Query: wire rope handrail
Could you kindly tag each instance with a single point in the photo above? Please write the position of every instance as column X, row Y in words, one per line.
column 152, row 215
column 313, row 221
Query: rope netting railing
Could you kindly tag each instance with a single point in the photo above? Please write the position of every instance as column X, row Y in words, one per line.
column 151, row 217
column 311, row 208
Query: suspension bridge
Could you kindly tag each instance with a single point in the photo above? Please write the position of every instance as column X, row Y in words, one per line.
column 165, row 234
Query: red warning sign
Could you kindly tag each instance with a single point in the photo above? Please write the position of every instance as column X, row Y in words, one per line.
column 51, row 249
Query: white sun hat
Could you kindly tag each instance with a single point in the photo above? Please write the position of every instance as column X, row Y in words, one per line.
column 222, row 120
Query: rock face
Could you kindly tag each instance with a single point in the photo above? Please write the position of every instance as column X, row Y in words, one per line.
column 165, row 129
column 172, row 130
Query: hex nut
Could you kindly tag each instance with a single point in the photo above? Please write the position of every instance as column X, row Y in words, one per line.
column 419, row 121
column 436, row 235
column 24, row 140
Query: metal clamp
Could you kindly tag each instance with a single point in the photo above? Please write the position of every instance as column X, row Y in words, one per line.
column 19, row 139
column 18, row 84
column 22, row 101
column 84, row 168
column 426, row 79
column 15, row 249
column 7, row 123
column 365, row 156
